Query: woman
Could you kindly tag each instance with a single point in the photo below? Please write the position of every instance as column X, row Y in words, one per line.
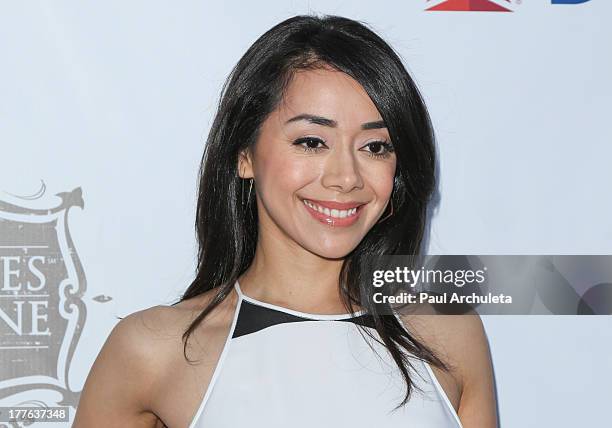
column 321, row 156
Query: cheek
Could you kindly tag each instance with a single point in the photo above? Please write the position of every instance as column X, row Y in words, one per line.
column 381, row 180
column 282, row 176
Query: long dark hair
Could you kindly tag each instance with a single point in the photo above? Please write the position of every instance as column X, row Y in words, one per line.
column 226, row 226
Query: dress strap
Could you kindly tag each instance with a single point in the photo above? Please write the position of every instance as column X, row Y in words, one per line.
column 238, row 290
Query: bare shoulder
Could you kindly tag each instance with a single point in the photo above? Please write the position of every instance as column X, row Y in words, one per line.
column 461, row 342
column 457, row 337
column 122, row 386
column 117, row 391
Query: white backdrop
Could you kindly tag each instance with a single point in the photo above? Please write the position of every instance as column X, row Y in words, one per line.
column 117, row 98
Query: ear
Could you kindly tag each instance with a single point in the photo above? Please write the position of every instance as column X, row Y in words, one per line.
column 245, row 164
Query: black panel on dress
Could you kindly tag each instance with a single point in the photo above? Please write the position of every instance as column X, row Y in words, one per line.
column 253, row 318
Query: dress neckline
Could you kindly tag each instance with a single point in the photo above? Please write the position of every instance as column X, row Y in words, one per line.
column 329, row 317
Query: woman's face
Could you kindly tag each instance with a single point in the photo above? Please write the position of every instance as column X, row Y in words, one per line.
column 323, row 165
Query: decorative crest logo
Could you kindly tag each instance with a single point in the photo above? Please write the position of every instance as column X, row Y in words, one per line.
column 42, row 314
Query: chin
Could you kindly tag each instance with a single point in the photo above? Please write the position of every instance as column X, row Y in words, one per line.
column 333, row 251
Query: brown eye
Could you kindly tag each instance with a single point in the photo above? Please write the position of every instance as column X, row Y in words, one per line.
column 380, row 149
column 309, row 144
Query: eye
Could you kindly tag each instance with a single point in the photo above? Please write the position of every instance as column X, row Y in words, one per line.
column 380, row 149
column 307, row 143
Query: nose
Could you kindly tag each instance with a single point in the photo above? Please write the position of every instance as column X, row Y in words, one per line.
column 341, row 169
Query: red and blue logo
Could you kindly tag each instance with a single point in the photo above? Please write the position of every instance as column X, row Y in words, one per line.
column 484, row 5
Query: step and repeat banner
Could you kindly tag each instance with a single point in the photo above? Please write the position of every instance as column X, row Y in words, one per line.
column 104, row 110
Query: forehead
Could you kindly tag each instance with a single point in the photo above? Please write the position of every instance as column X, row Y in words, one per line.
column 329, row 93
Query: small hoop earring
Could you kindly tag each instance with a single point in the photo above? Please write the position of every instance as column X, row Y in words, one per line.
column 250, row 188
column 388, row 215
column 242, row 191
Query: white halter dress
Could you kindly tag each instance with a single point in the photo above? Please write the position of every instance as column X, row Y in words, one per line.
column 281, row 368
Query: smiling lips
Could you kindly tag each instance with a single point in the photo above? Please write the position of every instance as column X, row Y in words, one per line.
column 334, row 213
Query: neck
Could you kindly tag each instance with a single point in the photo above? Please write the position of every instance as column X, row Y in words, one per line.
column 293, row 277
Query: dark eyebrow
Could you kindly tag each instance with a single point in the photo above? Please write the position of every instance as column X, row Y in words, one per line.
column 319, row 120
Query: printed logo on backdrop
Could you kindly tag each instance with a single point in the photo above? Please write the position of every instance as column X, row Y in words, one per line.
column 484, row 5
column 42, row 313
column 471, row 5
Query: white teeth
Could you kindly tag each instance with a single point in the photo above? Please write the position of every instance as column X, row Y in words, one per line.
column 331, row 213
